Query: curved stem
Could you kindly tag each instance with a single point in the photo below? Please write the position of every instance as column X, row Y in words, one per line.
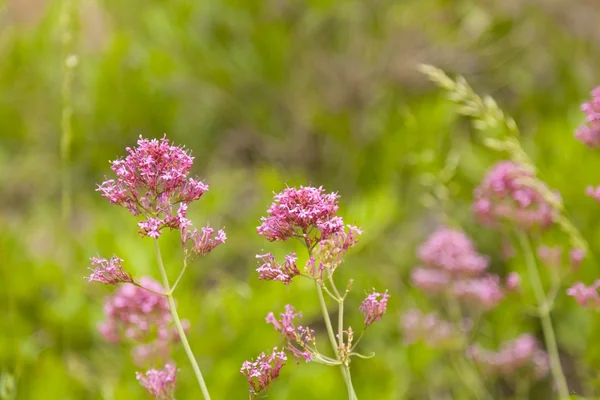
column 182, row 336
column 345, row 369
column 544, row 312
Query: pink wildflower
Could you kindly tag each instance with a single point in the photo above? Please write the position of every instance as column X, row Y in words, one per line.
column 431, row 329
column 202, row 243
column 271, row 270
column 513, row 281
column 504, row 195
column 484, row 291
column 586, row 296
column 430, row 280
column 576, row 256
column 306, row 213
column 262, row 372
column 452, row 251
column 589, row 133
column 374, row 306
column 150, row 181
column 550, row 256
column 517, row 357
column 299, row 339
column 160, row 383
column 109, row 272
column 330, row 251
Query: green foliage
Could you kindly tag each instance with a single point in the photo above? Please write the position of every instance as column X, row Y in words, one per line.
column 268, row 94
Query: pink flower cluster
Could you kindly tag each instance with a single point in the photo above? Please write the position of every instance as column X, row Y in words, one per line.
column 431, row 329
column 270, row 269
column 109, row 272
column 506, row 194
column 451, row 265
column 552, row 256
column 374, row 306
column 160, row 383
column 299, row 339
column 523, row 355
column 307, row 214
column 198, row 243
column 262, row 372
column 589, row 133
column 586, row 296
column 142, row 316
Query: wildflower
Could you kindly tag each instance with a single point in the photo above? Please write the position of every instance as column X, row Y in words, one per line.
column 513, row 281
column 262, row 372
column 589, row 133
column 273, row 271
column 202, row 243
column 505, row 195
column 306, row 213
column 160, row 383
column 430, row 280
column 109, row 272
column 329, row 252
column 142, row 316
column 550, row 256
column 484, row 291
column 593, row 192
column 431, row 329
column 586, row 296
column 452, row 251
column 373, row 307
column 523, row 355
column 151, row 180
column 302, row 337
column 576, row 256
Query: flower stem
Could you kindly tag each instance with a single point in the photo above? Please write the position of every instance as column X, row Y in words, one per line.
column 544, row 312
column 345, row 369
column 182, row 336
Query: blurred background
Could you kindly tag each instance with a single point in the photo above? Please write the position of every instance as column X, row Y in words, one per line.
column 269, row 93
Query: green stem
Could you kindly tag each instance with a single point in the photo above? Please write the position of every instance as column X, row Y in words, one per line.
column 182, row 336
column 344, row 368
column 544, row 312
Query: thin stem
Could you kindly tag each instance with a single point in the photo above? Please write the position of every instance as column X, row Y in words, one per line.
column 179, row 277
column 182, row 336
column 148, row 289
column 544, row 312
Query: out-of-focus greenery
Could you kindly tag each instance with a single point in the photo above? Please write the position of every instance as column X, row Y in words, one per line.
column 268, row 93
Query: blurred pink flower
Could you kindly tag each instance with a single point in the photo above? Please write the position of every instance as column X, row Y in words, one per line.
column 262, row 372
column 550, row 256
column 589, row 133
column 503, row 195
column 160, row 383
column 586, row 296
column 513, row 281
column 431, row 329
column 299, row 339
column 576, row 256
column 484, row 291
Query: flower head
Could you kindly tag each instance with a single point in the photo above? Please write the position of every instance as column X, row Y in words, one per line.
column 301, row 340
column 109, row 272
column 201, row 243
column 160, row 383
column 452, row 251
column 576, row 256
column 329, row 252
column 374, row 306
column 513, row 281
column 431, row 329
column 523, row 355
column 586, row 296
column 306, row 213
column 270, row 269
column 589, row 133
column 507, row 194
column 150, row 181
column 136, row 314
column 262, row 372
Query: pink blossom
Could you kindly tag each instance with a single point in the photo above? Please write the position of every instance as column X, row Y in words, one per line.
column 133, row 313
column 299, row 339
column 262, row 372
column 151, row 180
column 589, row 133
column 160, row 383
column 593, row 192
column 306, row 213
column 431, row 329
column 523, row 355
column 271, row 270
column 109, row 272
column 430, row 280
column 453, row 251
column 330, row 251
column 586, row 296
column 374, row 306
column 504, row 195
column 576, row 256
column 202, row 243
column 513, row 281
column 550, row 256
column 484, row 291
